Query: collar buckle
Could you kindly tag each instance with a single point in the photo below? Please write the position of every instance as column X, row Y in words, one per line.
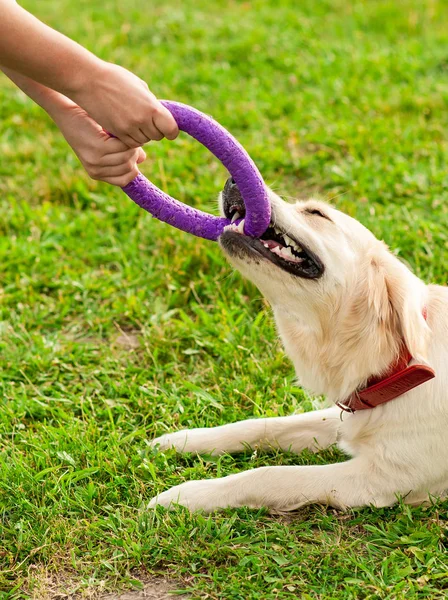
column 345, row 407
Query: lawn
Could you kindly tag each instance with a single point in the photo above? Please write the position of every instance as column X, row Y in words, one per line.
column 115, row 328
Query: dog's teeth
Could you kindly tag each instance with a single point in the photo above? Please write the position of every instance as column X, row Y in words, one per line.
column 240, row 226
column 287, row 252
column 288, row 240
column 234, row 227
column 235, row 217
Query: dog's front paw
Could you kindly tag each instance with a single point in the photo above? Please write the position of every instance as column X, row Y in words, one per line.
column 205, row 495
column 201, row 440
column 176, row 440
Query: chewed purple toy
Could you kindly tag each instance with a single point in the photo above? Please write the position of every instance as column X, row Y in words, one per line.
column 233, row 156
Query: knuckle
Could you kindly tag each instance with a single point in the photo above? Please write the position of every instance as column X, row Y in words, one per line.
column 172, row 134
column 96, row 170
column 89, row 161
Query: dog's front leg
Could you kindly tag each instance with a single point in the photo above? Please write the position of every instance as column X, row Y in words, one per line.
column 313, row 430
column 353, row 483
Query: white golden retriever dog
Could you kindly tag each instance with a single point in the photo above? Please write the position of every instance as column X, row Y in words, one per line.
column 347, row 311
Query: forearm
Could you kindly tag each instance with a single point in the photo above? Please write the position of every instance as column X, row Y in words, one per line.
column 115, row 98
column 103, row 157
column 51, row 101
column 31, row 48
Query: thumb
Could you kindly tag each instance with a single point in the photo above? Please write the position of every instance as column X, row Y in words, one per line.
column 141, row 156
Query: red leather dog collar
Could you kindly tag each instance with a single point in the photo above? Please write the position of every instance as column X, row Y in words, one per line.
column 400, row 378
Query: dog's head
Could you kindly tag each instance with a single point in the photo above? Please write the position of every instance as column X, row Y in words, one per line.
column 330, row 282
column 308, row 248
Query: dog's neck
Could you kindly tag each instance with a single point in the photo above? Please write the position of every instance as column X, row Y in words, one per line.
column 333, row 358
column 340, row 339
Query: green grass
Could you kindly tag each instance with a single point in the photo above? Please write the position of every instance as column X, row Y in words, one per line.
column 115, row 328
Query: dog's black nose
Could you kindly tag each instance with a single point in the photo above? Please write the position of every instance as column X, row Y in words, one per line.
column 229, row 185
column 231, row 199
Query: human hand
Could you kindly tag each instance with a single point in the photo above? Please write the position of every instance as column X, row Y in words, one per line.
column 103, row 157
column 122, row 103
column 114, row 97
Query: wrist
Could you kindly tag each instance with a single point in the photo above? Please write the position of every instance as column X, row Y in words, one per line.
column 58, row 107
column 86, row 79
column 51, row 101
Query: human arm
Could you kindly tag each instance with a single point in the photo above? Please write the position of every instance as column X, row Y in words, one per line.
column 115, row 98
column 103, row 157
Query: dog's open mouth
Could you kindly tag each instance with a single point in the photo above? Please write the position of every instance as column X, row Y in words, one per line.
column 274, row 245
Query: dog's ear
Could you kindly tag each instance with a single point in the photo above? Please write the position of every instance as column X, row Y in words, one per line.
column 406, row 297
column 397, row 297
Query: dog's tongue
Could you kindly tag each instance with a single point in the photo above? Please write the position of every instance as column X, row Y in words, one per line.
column 271, row 244
column 282, row 251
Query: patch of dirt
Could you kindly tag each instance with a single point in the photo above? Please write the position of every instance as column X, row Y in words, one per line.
column 63, row 585
column 156, row 590
column 128, row 340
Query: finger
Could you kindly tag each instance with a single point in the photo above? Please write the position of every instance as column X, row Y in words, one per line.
column 119, row 142
column 141, row 156
column 122, row 180
column 118, row 170
column 141, row 136
column 165, row 123
column 118, row 158
column 114, row 173
column 128, row 140
column 115, row 146
column 151, row 132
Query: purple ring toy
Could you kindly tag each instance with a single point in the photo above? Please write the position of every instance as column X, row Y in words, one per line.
column 233, row 156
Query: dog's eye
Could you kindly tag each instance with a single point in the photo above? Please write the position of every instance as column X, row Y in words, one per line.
column 317, row 212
